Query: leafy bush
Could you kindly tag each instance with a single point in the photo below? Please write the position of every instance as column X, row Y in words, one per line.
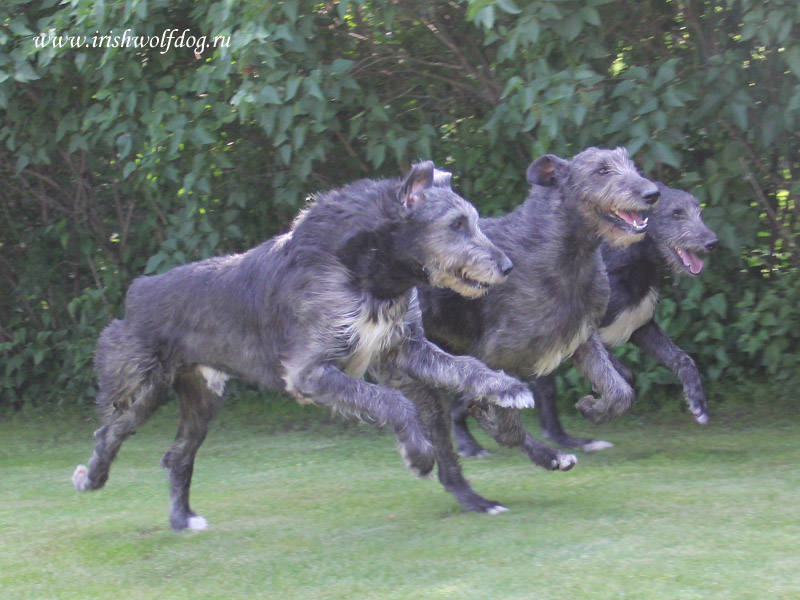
column 118, row 161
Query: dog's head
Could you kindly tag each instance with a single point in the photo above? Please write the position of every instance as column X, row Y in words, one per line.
column 607, row 189
column 443, row 236
column 677, row 228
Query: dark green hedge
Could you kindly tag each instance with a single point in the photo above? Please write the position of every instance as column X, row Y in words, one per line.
column 120, row 161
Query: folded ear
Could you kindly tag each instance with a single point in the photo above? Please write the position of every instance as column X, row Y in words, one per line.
column 547, row 170
column 418, row 180
column 442, row 178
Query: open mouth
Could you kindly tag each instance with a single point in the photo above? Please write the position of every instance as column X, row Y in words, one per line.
column 691, row 261
column 629, row 220
column 473, row 283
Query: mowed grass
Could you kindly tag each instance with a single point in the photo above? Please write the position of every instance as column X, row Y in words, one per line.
column 302, row 507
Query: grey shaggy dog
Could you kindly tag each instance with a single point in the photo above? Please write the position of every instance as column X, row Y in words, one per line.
column 550, row 305
column 307, row 312
column 676, row 239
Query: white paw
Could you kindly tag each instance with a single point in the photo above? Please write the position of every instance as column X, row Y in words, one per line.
column 411, row 466
column 496, row 510
column 565, row 462
column 196, row 523
column 702, row 419
column 596, row 446
column 520, row 400
column 80, row 478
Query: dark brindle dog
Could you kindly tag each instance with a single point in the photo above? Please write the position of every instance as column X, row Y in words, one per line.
column 676, row 239
column 306, row 312
column 551, row 303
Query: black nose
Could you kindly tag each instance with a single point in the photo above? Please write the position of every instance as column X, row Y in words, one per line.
column 651, row 196
column 712, row 245
column 506, row 266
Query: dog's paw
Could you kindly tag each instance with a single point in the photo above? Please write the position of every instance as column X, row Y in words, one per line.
column 515, row 396
column 196, row 523
column 593, row 409
column 473, row 451
column 700, row 413
column 419, row 461
column 596, row 445
column 496, row 509
column 80, row 478
column 564, row 462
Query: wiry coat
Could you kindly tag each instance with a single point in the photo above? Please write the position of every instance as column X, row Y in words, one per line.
column 551, row 303
column 307, row 312
column 557, row 294
column 676, row 238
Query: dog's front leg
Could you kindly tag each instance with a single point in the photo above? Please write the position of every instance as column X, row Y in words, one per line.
column 431, row 365
column 326, row 385
column 652, row 339
column 616, row 395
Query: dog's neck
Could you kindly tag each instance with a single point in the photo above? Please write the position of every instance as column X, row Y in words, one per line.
column 380, row 263
column 639, row 265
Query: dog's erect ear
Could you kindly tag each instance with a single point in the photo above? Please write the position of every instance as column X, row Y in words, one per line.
column 441, row 178
column 547, row 170
column 418, row 180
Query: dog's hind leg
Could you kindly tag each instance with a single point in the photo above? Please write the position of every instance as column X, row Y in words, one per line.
column 326, row 385
column 505, row 426
column 652, row 339
column 465, row 442
column 131, row 389
column 544, row 389
column 200, row 393
column 434, row 418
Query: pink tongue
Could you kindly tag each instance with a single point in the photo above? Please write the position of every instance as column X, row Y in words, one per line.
column 691, row 260
column 630, row 217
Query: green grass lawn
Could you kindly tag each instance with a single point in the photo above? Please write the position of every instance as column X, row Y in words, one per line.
column 301, row 507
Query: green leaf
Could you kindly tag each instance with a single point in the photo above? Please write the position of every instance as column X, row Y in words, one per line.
column 792, row 58
column 341, row 65
column 570, row 27
column 665, row 154
column 269, row 95
column 123, row 143
column 290, row 9
column 153, row 262
column 485, row 17
column 623, row 88
column 23, row 160
column 176, row 122
column 376, row 153
column 23, row 72
column 649, row 105
column 201, row 136
column 591, row 16
column 739, row 112
column 285, row 153
column 341, row 8
column 512, row 85
column 475, row 6
column 508, row 6
column 718, row 304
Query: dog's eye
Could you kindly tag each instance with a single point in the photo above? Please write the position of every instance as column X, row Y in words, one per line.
column 604, row 170
column 459, row 224
column 678, row 213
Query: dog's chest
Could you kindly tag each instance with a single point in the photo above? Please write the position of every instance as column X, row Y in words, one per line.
column 554, row 355
column 630, row 319
column 375, row 328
